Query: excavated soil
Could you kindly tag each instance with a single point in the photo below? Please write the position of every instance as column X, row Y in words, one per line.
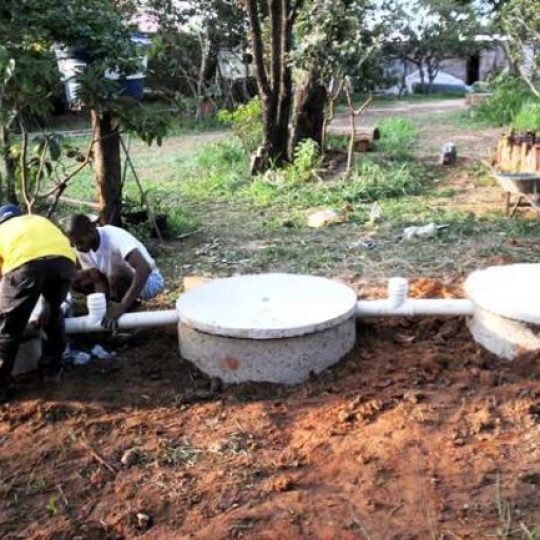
column 418, row 433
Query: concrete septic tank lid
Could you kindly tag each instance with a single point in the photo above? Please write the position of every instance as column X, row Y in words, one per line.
column 267, row 306
column 511, row 291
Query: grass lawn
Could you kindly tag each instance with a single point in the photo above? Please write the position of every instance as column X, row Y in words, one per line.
column 259, row 224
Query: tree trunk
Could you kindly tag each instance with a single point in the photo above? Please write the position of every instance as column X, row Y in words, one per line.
column 209, row 63
column 422, row 78
column 308, row 116
column 275, row 83
column 403, row 79
column 108, row 168
column 432, row 69
column 10, row 165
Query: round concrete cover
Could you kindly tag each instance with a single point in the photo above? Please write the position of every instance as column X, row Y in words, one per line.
column 267, row 306
column 511, row 291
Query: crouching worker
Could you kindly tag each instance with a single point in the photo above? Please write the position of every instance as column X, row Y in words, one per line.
column 113, row 262
column 36, row 259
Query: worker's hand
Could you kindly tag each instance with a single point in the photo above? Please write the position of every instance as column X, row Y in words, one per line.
column 114, row 312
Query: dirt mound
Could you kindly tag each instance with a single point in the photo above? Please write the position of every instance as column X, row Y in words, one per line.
column 416, row 434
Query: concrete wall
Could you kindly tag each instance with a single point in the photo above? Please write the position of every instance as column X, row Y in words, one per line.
column 492, row 60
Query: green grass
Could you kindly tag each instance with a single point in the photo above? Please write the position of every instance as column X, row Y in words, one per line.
column 399, row 138
column 468, row 120
column 253, row 224
column 388, row 101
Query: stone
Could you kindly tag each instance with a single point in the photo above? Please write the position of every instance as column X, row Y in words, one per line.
column 504, row 337
column 130, row 457
column 143, row 521
column 448, row 155
column 412, row 396
column 322, row 218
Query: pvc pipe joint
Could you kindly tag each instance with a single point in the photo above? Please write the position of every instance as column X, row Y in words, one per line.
column 97, row 307
column 398, row 290
column 398, row 304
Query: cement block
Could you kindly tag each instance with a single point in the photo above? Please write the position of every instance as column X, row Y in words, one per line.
column 284, row 360
column 267, row 306
column 504, row 337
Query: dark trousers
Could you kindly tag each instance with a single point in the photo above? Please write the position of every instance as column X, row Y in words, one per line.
column 19, row 293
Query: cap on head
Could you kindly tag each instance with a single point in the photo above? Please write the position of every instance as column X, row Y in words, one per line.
column 8, row 211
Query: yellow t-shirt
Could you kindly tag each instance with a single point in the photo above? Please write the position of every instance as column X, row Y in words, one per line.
column 25, row 238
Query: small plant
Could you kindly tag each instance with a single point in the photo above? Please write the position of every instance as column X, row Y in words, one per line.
column 246, row 123
column 180, row 452
column 307, row 161
column 52, row 506
column 528, row 117
column 399, row 138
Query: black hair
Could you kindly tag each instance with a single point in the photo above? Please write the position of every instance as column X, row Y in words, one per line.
column 80, row 224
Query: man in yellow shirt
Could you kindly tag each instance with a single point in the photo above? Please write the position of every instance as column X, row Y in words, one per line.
column 35, row 259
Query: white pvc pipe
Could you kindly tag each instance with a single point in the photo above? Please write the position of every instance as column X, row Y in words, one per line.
column 397, row 304
column 97, row 309
column 141, row 319
column 413, row 307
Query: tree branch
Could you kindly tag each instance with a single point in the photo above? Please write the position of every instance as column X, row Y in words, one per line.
column 258, row 47
column 276, row 32
column 23, row 168
column 61, row 187
column 40, row 170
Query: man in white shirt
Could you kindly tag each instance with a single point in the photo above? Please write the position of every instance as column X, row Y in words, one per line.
column 114, row 262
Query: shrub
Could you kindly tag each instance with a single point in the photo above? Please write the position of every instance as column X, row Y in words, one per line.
column 528, row 117
column 399, row 137
column 374, row 181
column 507, row 99
column 306, row 164
column 246, row 123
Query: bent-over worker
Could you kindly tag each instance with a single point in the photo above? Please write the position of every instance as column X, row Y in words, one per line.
column 113, row 262
column 35, row 259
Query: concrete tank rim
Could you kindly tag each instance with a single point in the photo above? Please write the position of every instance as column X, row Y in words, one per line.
column 511, row 291
column 222, row 323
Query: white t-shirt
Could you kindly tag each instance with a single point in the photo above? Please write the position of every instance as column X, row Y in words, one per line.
column 115, row 244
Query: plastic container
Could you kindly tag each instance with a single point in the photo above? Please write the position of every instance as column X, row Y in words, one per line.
column 73, row 61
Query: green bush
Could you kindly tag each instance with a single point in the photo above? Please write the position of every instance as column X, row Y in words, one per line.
column 375, row 181
column 528, row 117
column 246, row 123
column 306, row 164
column 509, row 95
column 399, row 137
